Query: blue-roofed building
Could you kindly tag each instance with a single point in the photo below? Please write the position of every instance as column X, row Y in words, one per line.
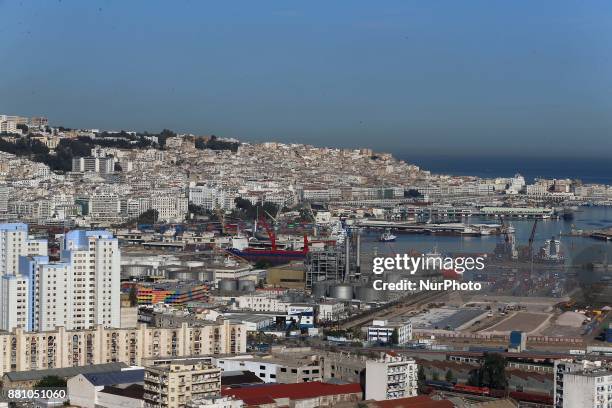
column 83, row 389
column 79, row 239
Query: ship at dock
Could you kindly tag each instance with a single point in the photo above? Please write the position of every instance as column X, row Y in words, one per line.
column 270, row 251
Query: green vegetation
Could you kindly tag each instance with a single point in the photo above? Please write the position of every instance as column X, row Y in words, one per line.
column 421, row 377
column 27, row 146
column 51, row 381
column 148, row 217
column 248, row 211
column 262, row 264
column 491, row 373
column 450, row 376
column 67, row 148
column 214, row 143
column 133, row 296
column 395, row 337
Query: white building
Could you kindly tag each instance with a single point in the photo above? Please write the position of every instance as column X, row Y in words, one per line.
column 266, row 370
column 382, row 330
column 13, row 244
column 95, row 264
column 330, row 311
column 86, row 390
column 302, row 315
column 103, row 165
column 170, row 208
column 566, row 391
column 15, row 304
column 4, row 196
column 588, row 389
column 390, row 377
column 79, row 292
column 215, row 402
column 262, row 303
column 211, row 198
column 104, row 206
column 15, row 298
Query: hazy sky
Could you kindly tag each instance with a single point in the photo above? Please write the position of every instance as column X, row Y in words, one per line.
column 528, row 77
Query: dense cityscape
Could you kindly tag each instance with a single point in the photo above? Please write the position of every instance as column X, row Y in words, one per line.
column 144, row 269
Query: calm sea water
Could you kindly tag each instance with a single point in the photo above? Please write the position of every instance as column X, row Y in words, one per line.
column 575, row 248
column 595, row 170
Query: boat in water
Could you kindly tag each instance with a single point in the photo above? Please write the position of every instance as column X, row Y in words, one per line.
column 387, row 236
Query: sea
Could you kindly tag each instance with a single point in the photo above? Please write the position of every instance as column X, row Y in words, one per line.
column 589, row 170
column 577, row 249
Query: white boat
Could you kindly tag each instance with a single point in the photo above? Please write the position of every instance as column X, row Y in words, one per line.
column 387, row 236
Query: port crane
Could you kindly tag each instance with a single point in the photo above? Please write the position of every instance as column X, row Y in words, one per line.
column 509, row 248
column 531, row 238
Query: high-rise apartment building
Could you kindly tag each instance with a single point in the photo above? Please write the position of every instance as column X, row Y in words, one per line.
column 94, row 289
column 14, row 303
column 13, row 244
column 78, row 292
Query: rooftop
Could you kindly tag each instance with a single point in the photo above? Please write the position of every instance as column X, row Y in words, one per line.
column 34, row 375
column 268, row 393
column 115, row 377
column 135, row 391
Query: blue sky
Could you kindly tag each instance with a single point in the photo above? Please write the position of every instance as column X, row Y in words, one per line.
column 416, row 78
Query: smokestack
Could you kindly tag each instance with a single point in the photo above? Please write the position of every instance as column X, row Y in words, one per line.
column 347, row 263
column 358, row 271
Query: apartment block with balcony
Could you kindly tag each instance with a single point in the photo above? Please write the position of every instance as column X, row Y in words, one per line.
column 174, row 385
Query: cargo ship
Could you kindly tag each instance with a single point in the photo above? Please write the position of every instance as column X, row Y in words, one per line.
column 269, row 252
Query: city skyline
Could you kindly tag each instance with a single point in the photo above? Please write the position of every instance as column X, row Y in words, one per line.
column 404, row 78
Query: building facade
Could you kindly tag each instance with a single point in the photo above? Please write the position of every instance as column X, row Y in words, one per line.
column 174, row 385
column 21, row 350
column 390, row 377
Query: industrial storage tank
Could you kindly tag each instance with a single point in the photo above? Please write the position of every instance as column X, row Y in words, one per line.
column 180, row 274
column 341, row 291
column 319, row 289
column 134, row 271
column 205, row 276
column 367, row 294
column 228, row 285
column 246, row 285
